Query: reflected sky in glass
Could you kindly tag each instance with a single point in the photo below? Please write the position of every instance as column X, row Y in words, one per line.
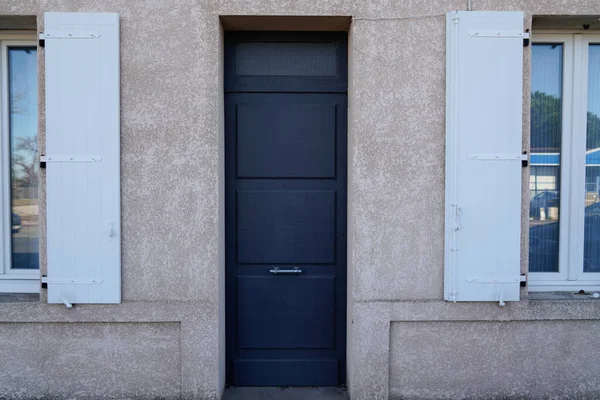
column 22, row 88
column 594, row 79
column 546, row 67
column 22, row 65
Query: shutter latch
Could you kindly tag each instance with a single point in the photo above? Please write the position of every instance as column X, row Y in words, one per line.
column 66, row 303
column 456, row 217
column 111, row 231
column 525, row 160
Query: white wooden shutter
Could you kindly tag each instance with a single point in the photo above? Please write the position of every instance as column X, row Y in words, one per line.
column 82, row 157
column 484, row 74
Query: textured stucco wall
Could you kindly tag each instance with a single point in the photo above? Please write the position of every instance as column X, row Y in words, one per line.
column 172, row 163
column 90, row 359
column 115, row 344
column 494, row 360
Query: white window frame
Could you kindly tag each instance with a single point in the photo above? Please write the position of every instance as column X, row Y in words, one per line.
column 11, row 280
column 570, row 275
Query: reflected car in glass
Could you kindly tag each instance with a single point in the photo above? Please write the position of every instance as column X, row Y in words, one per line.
column 543, row 243
column 16, row 223
column 543, row 201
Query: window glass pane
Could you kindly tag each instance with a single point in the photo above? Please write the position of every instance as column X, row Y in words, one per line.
column 22, row 88
column 286, row 59
column 591, row 245
column 546, row 135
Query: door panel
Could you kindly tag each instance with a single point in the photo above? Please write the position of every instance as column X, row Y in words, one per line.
column 285, row 209
column 286, row 226
column 296, row 312
column 285, row 140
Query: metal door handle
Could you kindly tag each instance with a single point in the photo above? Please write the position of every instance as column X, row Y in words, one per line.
column 276, row 271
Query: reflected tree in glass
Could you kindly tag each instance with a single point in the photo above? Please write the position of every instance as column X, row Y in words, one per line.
column 22, row 88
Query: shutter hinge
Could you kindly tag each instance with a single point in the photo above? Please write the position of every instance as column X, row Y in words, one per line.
column 44, row 282
column 526, row 38
column 523, row 280
column 525, row 160
column 69, row 35
column 71, row 281
column 42, row 43
column 42, row 162
column 499, row 34
column 70, row 158
column 497, row 156
column 494, row 279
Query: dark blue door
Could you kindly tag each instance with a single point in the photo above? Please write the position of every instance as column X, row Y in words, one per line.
column 286, row 157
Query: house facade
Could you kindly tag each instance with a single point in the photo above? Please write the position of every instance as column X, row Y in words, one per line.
column 398, row 197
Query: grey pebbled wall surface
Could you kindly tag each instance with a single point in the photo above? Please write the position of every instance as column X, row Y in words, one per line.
column 86, row 360
column 495, row 360
column 171, row 171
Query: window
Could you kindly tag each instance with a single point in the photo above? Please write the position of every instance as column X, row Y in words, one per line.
column 19, row 222
column 564, row 233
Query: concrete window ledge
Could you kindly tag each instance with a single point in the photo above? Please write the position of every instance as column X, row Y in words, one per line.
column 19, row 297
column 560, row 296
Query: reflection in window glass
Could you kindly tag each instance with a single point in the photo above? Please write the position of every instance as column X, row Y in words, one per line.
column 22, row 88
column 591, row 246
column 546, row 133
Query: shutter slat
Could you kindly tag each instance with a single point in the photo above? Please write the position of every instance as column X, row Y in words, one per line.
column 483, row 144
column 82, row 119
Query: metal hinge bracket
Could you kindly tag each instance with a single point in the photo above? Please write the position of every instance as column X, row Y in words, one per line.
column 525, row 160
column 63, row 158
column 500, row 34
column 496, row 279
column 69, row 35
column 70, row 281
column 497, row 157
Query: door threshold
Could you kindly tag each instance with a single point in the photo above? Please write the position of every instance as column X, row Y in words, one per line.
column 286, row 393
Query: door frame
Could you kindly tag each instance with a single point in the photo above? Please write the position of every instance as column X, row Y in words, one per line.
column 340, row 85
